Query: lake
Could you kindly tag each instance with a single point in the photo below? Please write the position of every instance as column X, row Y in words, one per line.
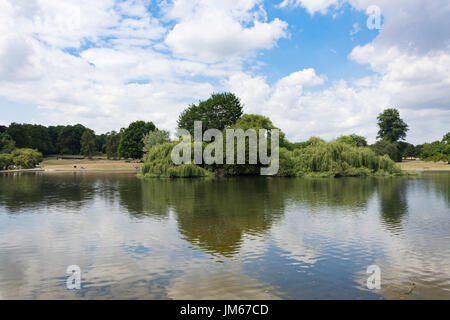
column 237, row 238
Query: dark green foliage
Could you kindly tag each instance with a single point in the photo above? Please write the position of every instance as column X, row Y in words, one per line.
column 51, row 140
column 55, row 132
column 88, row 143
column 218, row 112
column 100, row 143
column 407, row 150
column 131, row 144
column 112, row 144
column 69, row 139
column 19, row 134
column 392, row 127
column 385, row 147
column 26, row 158
column 31, row 136
column 7, row 144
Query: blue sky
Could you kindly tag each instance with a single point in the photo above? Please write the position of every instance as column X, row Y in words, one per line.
column 312, row 66
column 322, row 42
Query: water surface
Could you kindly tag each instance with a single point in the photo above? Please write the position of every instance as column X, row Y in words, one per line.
column 239, row 238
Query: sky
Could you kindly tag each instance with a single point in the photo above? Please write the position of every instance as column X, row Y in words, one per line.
column 314, row 67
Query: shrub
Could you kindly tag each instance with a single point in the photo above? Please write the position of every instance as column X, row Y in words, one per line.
column 5, row 161
column 26, row 158
column 333, row 159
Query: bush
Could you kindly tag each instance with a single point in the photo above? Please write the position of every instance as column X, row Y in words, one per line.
column 436, row 151
column 5, row 161
column 159, row 164
column 26, row 158
column 333, row 159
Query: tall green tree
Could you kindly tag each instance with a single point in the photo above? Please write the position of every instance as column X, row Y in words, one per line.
column 100, row 143
column 220, row 111
column 88, row 143
column 131, row 144
column 392, row 127
column 112, row 144
column 55, row 132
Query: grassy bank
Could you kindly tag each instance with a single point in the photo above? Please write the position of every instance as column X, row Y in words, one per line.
column 420, row 165
column 97, row 164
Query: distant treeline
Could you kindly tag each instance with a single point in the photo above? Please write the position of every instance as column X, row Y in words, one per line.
column 50, row 140
column 75, row 140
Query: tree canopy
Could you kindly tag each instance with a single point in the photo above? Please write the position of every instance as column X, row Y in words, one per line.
column 112, row 144
column 88, row 143
column 154, row 138
column 392, row 127
column 220, row 111
column 385, row 147
column 7, row 144
column 26, row 158
column 354, row 140
column 131, row 144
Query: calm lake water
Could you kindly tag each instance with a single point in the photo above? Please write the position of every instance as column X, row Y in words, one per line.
column 240, row 238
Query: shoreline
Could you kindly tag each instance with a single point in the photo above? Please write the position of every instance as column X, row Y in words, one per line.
column 121, row 166
column 71, row 171
column 22, row 170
